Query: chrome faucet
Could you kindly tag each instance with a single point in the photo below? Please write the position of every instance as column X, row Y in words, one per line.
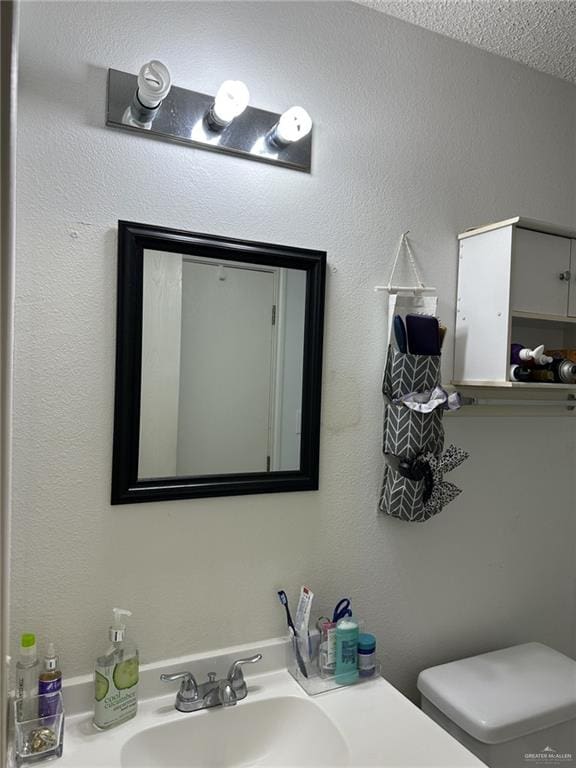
column 193, row 696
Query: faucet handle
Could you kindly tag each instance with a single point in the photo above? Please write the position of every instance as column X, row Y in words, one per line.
column 235, row 676
column 188, row 686
column 226, row 693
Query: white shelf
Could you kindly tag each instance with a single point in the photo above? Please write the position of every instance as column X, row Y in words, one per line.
column 548, row 318
column 516, row 385
column 540, row 385
column 515, row 398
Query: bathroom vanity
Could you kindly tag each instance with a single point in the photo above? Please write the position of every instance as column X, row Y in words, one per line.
column 277, row 724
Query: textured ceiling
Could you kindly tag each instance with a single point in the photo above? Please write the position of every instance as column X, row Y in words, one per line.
column 540, row 33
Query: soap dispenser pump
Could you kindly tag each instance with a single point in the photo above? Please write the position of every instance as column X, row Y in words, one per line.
column 116, row 677
column 118, row 628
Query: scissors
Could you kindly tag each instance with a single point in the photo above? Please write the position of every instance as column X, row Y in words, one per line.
column 342, row 609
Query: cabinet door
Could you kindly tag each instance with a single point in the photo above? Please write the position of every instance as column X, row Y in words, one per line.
column 572, row 292
column 540, row 273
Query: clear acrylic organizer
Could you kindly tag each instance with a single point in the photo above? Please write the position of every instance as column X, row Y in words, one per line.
column 316, row 683
column 38, row 736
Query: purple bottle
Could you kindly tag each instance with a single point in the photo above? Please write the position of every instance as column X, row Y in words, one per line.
column 49, row 683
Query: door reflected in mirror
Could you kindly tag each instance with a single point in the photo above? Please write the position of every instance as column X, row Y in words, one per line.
column 222, row 364
column 218, row 366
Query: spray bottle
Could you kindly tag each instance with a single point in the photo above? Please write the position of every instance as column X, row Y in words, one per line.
column 49, row 683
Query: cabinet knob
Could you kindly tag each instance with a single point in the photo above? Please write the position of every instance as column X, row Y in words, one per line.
column 564, row 275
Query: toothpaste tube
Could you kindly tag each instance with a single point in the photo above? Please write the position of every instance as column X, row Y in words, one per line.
column 303, row 620
column 328, row 648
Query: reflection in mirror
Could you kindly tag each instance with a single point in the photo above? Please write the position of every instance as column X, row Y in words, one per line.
column 222, row 366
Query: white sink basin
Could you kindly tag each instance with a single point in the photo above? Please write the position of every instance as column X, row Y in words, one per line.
column 276, row 726
column 284, row 731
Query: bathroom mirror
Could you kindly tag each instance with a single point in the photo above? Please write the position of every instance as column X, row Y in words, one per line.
column 218, row 366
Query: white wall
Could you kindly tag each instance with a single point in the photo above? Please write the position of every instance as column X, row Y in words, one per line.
column 411, row 131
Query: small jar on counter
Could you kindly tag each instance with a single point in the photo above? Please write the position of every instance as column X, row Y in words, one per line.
column 366, row 654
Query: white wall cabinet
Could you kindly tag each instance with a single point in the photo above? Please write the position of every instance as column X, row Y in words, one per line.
column 516, row 283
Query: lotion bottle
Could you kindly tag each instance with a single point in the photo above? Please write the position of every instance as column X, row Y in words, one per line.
column 116, row 677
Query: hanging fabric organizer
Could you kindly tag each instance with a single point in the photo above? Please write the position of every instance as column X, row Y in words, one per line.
column 413, row 488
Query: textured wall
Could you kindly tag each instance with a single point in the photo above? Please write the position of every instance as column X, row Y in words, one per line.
column 412, row 131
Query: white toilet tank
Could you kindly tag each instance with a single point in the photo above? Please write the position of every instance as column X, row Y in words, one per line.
column 513, row 708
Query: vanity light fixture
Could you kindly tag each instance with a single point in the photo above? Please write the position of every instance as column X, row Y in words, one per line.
column 153, row 87
column 231, row 100
column 294, row 124
column 148, row 104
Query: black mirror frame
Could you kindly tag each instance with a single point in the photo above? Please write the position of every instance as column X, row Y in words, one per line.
column 132, row 240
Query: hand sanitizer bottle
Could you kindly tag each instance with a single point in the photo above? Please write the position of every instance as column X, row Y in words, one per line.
column 116, row 677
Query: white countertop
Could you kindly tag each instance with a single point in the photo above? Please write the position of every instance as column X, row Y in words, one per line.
column 379, row 726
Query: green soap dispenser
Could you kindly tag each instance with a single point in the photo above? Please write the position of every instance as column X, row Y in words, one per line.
column 116, row 677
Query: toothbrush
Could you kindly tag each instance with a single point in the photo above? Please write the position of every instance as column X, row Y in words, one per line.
column 299, row 660
column 284, row 600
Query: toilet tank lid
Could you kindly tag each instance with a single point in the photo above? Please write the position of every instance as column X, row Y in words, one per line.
column 502, row 695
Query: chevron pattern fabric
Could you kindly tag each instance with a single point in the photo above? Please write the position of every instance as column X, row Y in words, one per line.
column 409, row 433
column 401, row 497
column 407, row 373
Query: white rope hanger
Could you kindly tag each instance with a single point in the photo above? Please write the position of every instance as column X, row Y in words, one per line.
column 418, row 287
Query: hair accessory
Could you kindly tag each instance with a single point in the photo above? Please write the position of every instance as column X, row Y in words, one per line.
column 442, row 492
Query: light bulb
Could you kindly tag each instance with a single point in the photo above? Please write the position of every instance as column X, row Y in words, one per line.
column 293, row 125
column 153, row 84
column 231, row 100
